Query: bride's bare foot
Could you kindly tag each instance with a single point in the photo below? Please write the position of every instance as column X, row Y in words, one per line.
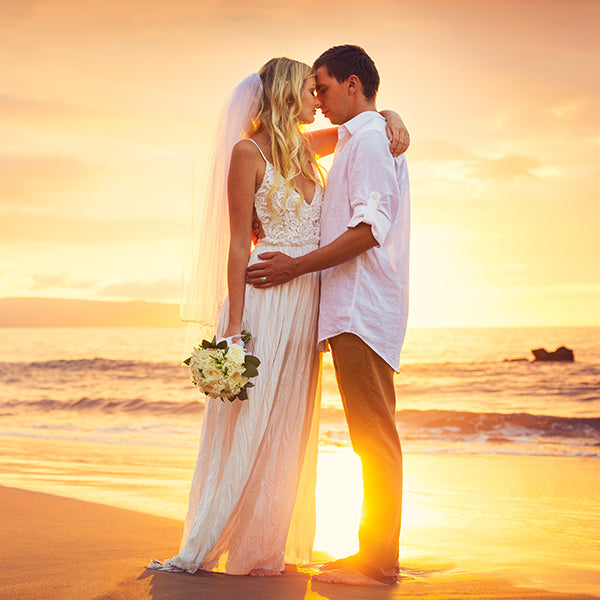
column 346, row 576
column 264, row 572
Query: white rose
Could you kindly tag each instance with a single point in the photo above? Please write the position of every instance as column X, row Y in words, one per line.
column 234, row 368
column 236, row 353
column 237, row 381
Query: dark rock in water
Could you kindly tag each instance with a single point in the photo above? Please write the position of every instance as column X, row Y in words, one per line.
column 561, row 354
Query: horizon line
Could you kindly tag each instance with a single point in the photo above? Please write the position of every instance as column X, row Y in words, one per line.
column 166, row 316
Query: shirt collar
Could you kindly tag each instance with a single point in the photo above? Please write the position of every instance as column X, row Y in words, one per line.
column 359, row 121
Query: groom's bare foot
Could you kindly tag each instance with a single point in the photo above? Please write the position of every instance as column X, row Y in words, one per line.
column 264, row 572
column 347, row 576
column 340, row 563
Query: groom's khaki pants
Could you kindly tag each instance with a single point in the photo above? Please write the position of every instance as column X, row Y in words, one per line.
column 366, row 385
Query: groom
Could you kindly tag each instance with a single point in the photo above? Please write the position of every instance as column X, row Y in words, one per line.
column 364, row 298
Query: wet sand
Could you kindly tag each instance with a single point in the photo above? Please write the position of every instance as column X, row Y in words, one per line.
column 530, row 521
column 56, row 548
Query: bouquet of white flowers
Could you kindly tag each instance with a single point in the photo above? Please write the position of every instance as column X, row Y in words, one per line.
column 222, row 370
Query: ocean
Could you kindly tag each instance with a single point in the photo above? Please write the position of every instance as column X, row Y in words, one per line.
column 456, row 393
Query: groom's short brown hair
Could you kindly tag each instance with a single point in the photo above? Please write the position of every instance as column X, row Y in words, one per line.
column 343, row 61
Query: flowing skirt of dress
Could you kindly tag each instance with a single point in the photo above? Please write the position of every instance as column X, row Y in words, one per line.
column 252, row 499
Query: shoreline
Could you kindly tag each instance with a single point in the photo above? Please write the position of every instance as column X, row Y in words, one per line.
column 62, row 548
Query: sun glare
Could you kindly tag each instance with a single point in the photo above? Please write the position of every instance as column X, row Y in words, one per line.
column 339, row 499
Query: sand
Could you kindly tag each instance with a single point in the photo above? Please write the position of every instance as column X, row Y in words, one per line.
column 56, row 548
column 530, row 521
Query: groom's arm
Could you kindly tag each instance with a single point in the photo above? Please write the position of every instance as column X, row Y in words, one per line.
column 373, row 194
column 280, row 268
column 323, row 141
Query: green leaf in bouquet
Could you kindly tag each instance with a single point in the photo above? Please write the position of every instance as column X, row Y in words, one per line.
column 221, row 345
column 251, row 370
column 187, row 361
column 206, row 344
column 249, row 384
column 251, row 359
column 246, row 336
column 243, row 395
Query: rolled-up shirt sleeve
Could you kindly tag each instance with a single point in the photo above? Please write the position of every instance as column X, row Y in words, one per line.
column 374, row 187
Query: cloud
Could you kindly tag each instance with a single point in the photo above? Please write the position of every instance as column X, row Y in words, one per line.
column 27, row 111
column 454, row 156
column 18, row 106
column 505, row 168
column 439, row 150
column 38, row 228
column 11, row 11
column 37, row 180
column 47, row 281
column 578, row 114
column 163, row 289
column 563, row 116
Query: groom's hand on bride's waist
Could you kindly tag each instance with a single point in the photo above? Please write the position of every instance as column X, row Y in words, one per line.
column 275, row 268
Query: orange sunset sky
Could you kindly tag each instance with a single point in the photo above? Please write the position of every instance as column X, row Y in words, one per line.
column 103, row 105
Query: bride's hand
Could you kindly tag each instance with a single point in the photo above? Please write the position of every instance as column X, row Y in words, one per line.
column 232, row 333
column 396, row 132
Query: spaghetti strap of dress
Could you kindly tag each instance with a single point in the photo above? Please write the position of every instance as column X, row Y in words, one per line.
column 261, row 152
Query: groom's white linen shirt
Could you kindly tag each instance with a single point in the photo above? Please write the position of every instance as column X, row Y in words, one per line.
column 368, row 295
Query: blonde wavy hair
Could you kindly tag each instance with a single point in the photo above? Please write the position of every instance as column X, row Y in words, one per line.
column 279, row 111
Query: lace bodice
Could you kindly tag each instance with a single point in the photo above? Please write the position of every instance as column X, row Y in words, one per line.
column 290, row 226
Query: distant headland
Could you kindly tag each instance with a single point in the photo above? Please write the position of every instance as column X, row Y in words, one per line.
column 65, row 312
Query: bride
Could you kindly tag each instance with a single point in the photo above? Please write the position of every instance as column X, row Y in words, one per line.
column 252, row 500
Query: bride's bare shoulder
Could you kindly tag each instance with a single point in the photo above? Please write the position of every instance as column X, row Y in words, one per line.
column 247, row 159
column 245, row 148
column 245, row 152
column 248, row 149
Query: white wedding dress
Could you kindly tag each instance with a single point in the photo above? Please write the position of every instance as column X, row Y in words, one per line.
column 252, row 500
